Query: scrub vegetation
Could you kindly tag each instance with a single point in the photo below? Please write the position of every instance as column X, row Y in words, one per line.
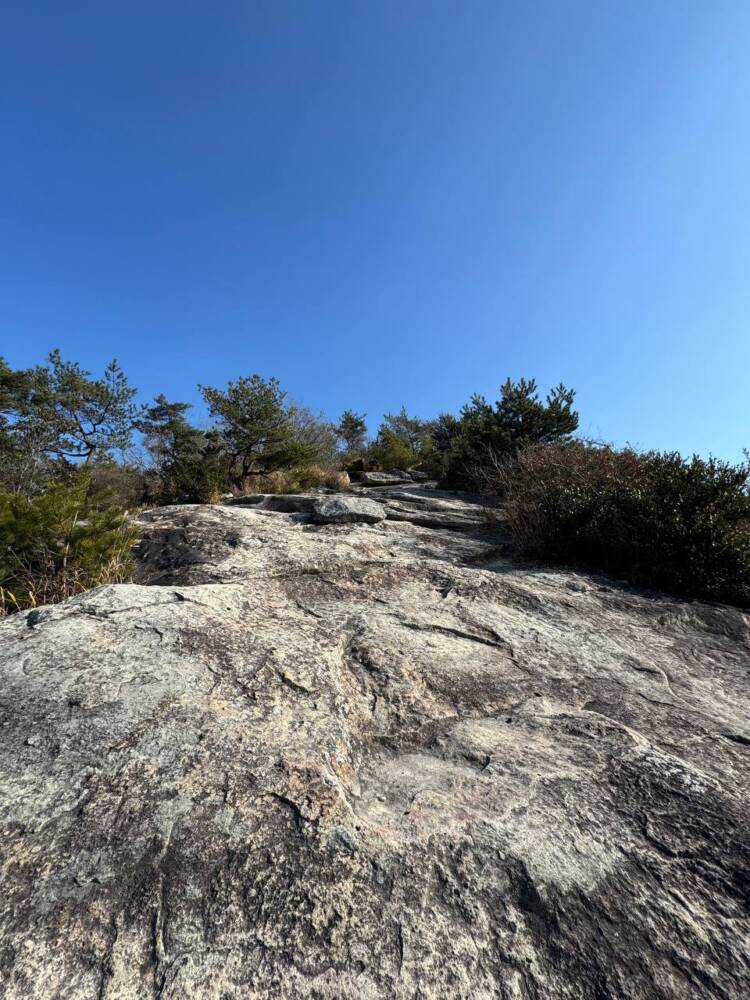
column 77, row 453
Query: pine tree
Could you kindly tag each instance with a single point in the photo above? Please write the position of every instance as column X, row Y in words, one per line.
column 255, row 428
column 518, row 419
column 352, row 430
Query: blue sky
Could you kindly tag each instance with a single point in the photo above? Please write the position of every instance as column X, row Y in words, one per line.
column 388, row 202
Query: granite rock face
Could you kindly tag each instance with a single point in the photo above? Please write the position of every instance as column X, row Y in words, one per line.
column 429, row 508
column 374, row 761
column 348, row 510
column 283, row 503
column 384, row 478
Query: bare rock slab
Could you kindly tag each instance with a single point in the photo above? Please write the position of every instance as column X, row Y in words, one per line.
column 378, row 762
column 384, row 478
column 283, row 503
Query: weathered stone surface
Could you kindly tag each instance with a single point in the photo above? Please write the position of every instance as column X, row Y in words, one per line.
column 371, row 761
column 284, row 503
column 433, row 512
column 348, row 510
column 404, row 502
column 383, row 478
column 430, row 508
column 203, row 544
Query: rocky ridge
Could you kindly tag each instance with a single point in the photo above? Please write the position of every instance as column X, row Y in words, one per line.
column 328, row 760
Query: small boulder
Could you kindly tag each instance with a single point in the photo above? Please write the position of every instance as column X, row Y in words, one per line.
column 347, row 510
column 282, row 503
column 383, row 478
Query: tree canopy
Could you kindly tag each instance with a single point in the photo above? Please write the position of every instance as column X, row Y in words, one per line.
column 59, row 413
column 352, row 430
column 255, row 426
column 519, row 418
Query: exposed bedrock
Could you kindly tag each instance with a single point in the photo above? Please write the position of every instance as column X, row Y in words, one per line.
column 371, row 761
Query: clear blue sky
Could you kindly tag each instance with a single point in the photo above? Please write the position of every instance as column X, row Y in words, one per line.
column 388, row 202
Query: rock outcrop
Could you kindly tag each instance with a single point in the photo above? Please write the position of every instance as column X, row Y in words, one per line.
column 371, row 761
column 348, row 510
column 384, row 478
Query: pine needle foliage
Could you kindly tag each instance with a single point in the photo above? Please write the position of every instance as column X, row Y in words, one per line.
column 60, row 542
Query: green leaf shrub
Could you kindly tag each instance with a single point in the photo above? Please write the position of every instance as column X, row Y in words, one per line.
column 655, row 519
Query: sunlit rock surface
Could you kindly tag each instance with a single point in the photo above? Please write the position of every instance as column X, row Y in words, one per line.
column 371, row 761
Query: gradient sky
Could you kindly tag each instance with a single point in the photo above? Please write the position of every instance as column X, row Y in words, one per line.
column 388, row 202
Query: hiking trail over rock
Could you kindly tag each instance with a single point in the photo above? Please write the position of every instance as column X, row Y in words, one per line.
column 303, row 760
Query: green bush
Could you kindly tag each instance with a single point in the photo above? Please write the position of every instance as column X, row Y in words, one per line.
column 191, row 478
column 655, row 519
column 60, row 542
column 125, row 484
column 390, row 451
column 485, row 432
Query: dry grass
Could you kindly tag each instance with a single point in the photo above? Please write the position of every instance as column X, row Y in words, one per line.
column 50, row 585
column 296, row 480
column 59, row 543
column 336, row 479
